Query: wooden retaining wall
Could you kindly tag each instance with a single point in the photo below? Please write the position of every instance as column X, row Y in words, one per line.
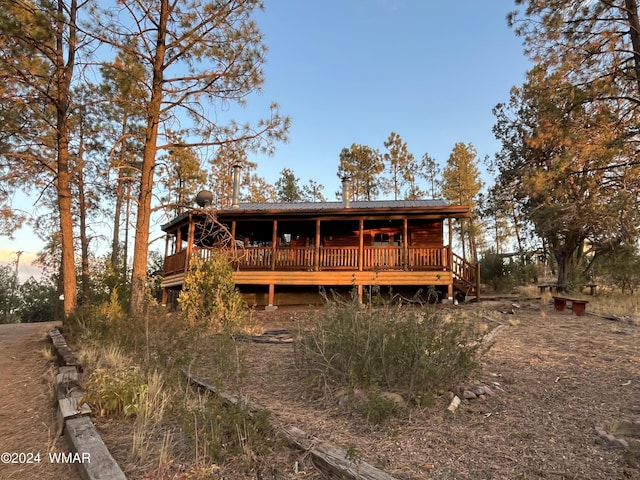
column 91, row 456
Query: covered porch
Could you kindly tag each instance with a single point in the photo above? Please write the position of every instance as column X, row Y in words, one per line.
column 303, row 244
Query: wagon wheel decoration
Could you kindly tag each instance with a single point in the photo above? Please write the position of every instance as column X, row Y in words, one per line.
column 213, row 233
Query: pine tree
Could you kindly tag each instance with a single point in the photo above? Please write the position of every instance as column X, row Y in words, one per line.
column 461, row 185
column 402, row 168
column 564, row 166
column 287, row 187
column 430, row 171
column 196, row 55
column 363, row 166
column 40, row 48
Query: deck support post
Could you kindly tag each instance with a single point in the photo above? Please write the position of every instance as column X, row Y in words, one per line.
column 450, row 259
column 272, row 294
column 165, row 296
column 360, row 290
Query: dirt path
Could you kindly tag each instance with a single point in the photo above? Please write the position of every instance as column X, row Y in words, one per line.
column 27, row 413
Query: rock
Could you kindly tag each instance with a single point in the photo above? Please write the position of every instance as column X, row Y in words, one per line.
column 619, row 443
column 455, row 403
column 469, row 395
column 488, row 392
column 601, row 432
column 477, row 389
column 395, row 398
column 481, row 397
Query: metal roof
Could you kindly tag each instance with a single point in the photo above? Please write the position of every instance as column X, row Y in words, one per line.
column 372, row 204
column 436, row 207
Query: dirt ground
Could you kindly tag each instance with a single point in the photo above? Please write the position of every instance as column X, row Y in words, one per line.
column 27, row 412
column 556, row 377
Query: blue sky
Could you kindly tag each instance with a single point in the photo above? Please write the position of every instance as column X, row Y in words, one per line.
column 353, row 71
column 350, row 71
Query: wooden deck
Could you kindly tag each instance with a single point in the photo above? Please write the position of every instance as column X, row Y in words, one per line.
column 336, row 266
column 329, row 278
column 322, row 258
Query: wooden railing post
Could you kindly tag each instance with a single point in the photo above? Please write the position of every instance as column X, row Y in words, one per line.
column 190, row 241
column 361, row 245
column 405, row 243
column 274, row 242
column 316, row 260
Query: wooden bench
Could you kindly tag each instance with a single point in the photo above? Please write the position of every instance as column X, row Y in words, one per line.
column 578, row 306
column 551, row 287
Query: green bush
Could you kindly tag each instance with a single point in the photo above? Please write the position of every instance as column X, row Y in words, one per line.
column 379, row 409
column 393, row 347
column 209, row 297
column 115, row 391
column 219, row 431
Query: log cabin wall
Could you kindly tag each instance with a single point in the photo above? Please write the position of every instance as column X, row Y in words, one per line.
column 429, row 235
column 350, row 240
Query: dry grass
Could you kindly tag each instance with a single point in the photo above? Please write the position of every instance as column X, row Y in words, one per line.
column 48, row 353
column 624, row 306
column 148, row 422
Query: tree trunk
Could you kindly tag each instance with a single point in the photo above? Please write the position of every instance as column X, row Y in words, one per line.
column 565, row 263
column 143, row 218
column 634, row 33
column 115, row 242
column 84, row 239
column 463, row 244
column 63, row 81
column 66, row 228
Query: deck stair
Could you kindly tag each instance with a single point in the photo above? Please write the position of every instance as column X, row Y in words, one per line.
column 464, row 276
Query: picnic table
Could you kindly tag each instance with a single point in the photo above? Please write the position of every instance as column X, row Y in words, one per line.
column 578, row 306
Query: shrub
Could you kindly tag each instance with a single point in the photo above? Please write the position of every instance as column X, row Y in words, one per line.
column 115, row 391
column 209, row 296
column 395, row 347
column 503, row 273
column 217, row 430
column 379, row 409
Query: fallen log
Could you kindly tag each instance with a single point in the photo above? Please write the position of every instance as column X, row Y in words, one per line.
column 491, row 335
column 330, row 460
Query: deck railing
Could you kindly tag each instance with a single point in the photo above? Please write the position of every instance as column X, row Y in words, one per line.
column 329, row 258
column 175, row 263
column 464, row 271
column 338, row 258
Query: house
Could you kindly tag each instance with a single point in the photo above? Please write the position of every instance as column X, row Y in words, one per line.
column 283, row 252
